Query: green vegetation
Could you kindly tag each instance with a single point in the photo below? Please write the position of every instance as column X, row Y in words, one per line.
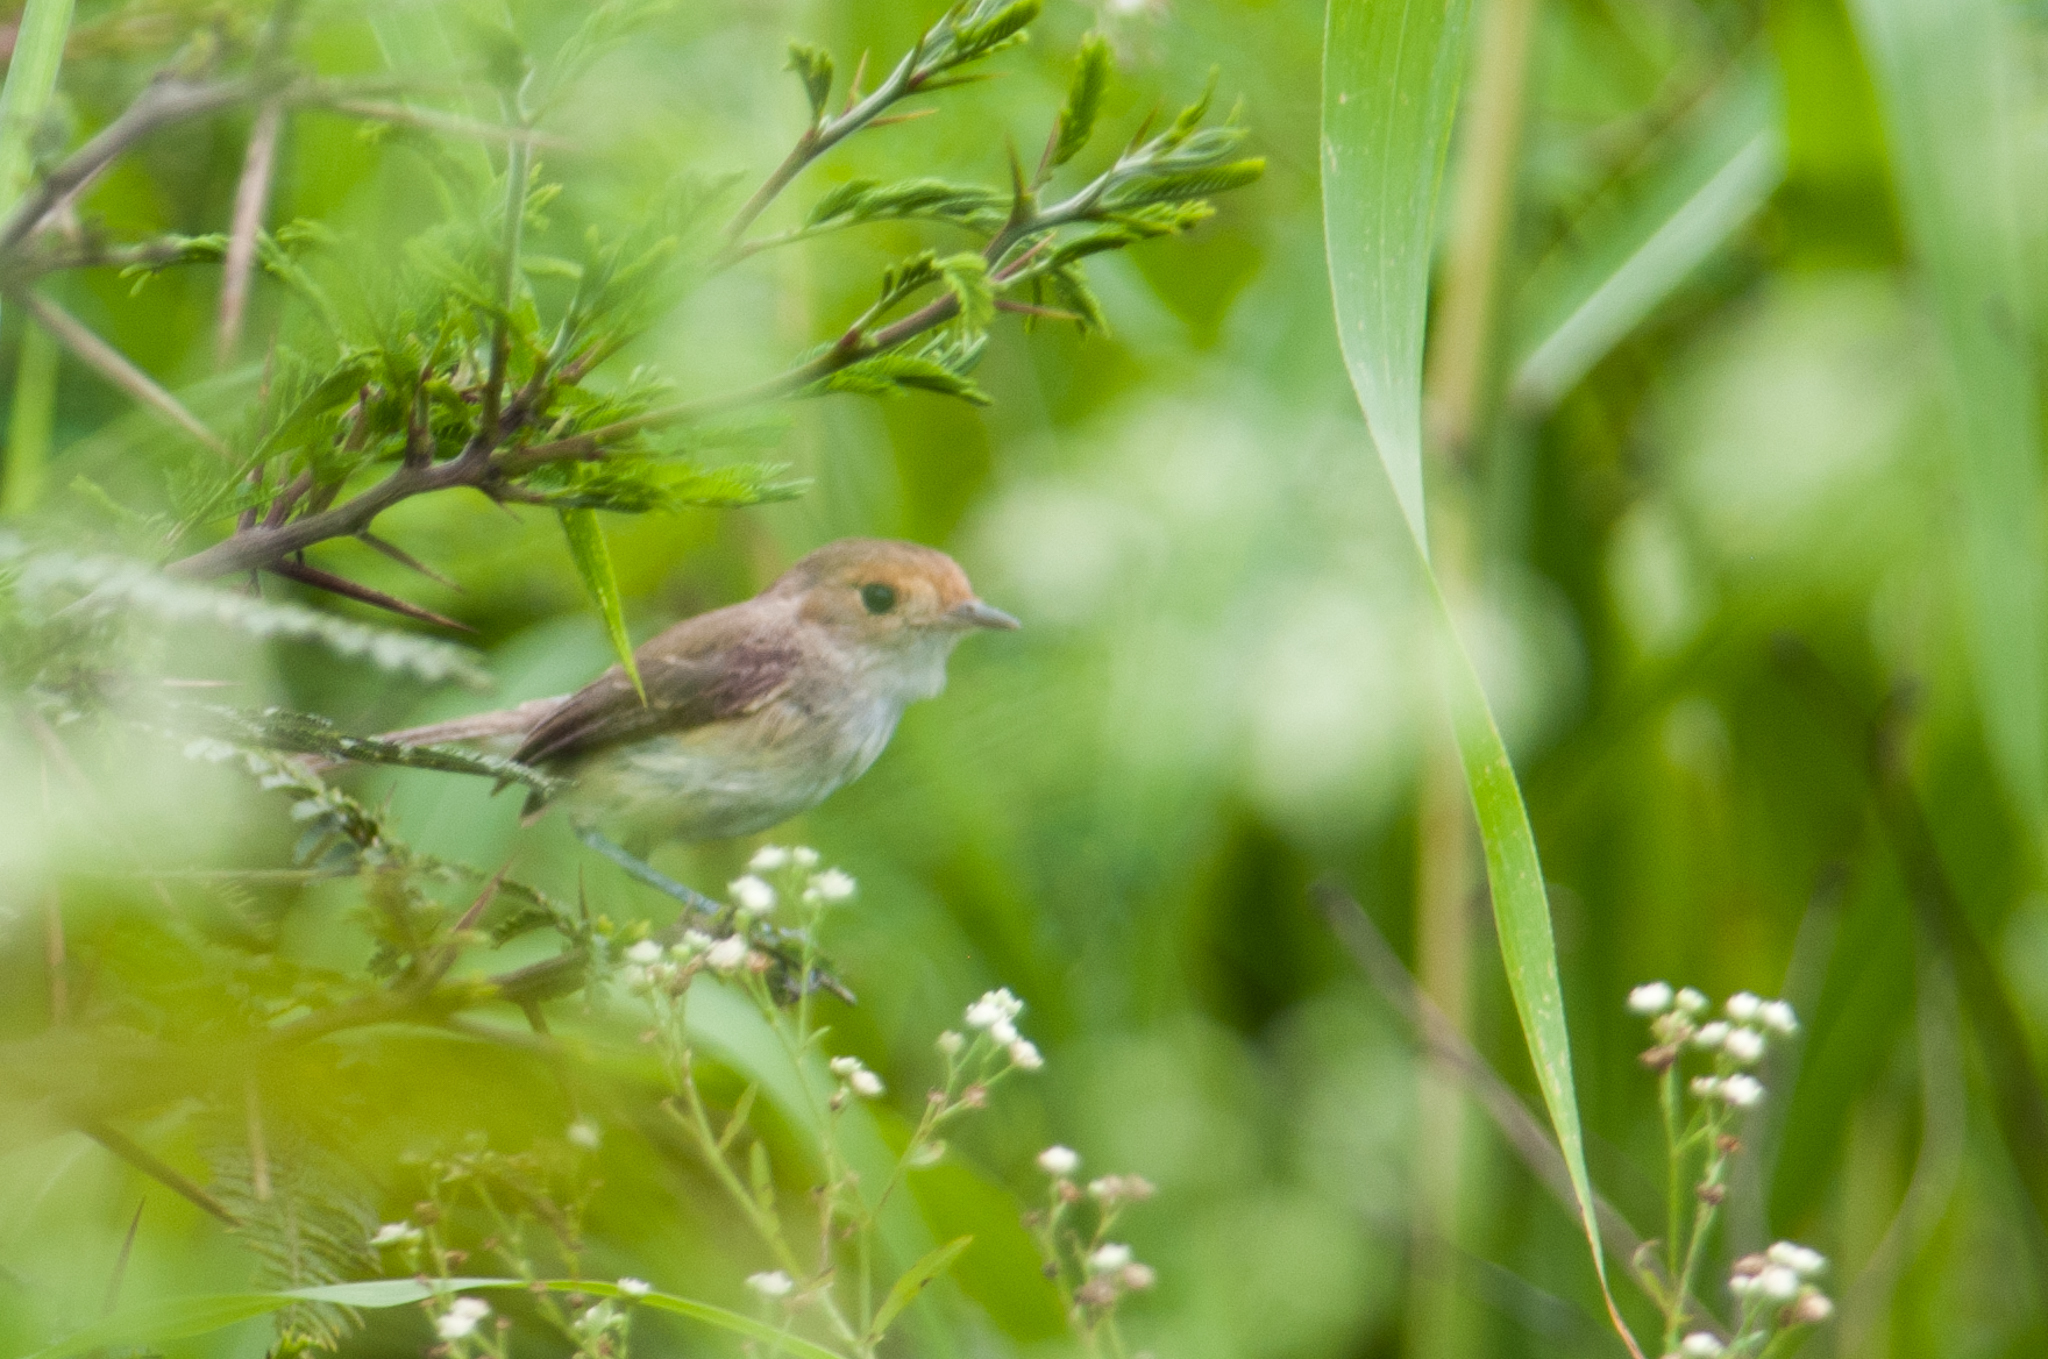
column 1621, row 422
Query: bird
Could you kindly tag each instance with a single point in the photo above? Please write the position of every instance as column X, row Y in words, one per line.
column 751, row 713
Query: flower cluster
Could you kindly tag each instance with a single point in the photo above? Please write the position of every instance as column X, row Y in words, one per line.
column 461, row 1318
column 1094, row 1271
column 854, row 1079
column 802, row 880
column 994, row 1017
column 1775, row 1293
column 1679, row 1023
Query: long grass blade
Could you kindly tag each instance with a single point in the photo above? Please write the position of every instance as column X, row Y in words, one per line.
column 1390, row 80
column 183, row 1318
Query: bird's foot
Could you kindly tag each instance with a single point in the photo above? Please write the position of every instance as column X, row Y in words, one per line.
column 782, row 945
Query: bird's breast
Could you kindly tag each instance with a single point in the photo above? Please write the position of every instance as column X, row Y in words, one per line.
column 734, row 777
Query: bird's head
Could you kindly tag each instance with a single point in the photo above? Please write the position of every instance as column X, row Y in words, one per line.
column 888, row 594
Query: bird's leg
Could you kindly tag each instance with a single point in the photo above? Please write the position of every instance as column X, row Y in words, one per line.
column 777, row 942
column 641, row 871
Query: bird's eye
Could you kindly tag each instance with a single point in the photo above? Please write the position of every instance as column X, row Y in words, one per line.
column 879, row 598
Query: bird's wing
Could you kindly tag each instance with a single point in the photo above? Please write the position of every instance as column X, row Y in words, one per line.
column 701, row 671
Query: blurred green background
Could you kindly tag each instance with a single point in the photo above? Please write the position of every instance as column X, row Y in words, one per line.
column 1706, row 513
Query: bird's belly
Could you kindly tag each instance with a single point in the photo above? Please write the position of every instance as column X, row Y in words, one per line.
column 726, row 779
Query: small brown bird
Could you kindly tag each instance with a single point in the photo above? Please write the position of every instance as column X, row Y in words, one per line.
column 756, row 711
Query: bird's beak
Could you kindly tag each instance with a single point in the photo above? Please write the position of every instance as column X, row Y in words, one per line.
column 975, row 614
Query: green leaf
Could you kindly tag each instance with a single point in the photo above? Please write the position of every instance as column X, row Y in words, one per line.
column 761, row 1176
column 867, row 200
column 1176, row 186
column 813, row 66
column 1632, row 249
column 182, row 1318
column 1390, row 87
column 931, row 370
column 1950, row 76
column 990, row 27
column 966, row 277
column 594, row 564
column 913, row 1282
column 1092, row 68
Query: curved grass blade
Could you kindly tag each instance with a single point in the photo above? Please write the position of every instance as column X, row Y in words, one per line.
column 1390, row 82
column 594, row 564
column 183, row 1318
column 1390, row 88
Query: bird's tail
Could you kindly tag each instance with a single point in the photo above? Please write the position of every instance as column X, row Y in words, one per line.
column 480, row 727
column 506, row 724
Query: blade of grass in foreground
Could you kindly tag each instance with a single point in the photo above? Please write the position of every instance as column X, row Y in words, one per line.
column 183, row 1318
column 1390, row 85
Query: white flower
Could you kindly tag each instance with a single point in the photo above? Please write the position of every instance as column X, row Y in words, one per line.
column 635, row 1288
column 768, row 859
column 1003, row 1031
column 585, row 1134
column 1024, row 1054
column 646, row 952
column 844, row 1066
column 1742, row 1007
column 1742, row 1091
column 865, row 1083
column 804, row 857
column 772, row 1284
column 995, row 1007
column 633, row 977
column 1690, row 1001
column 1742, row 1285
column 1777, row 1016
column 1137, row 1277
column 1706, row 1087
column 1744, row 1045
column 1711, row 1036
column 1058, row 1160
column 1108, row 1256
column 1777, row 1283
column 752, row 895
column 950, row 1043
column 1799, row 1259
column 830, row 886
column 1701, row 1345
column 1810, row 1308
column 728, row 953
column 1651, row 998
column 461, row 1318
column 691, row 944
column 392, row 1233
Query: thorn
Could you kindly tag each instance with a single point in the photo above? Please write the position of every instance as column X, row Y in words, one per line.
column 909, row 117
column 404, row 558
column 349, row 589
column 121, row 1260
column 860, row 68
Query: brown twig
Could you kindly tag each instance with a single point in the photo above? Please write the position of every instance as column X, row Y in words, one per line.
column 362, row 594
column 116, row 369
column 252, row 197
